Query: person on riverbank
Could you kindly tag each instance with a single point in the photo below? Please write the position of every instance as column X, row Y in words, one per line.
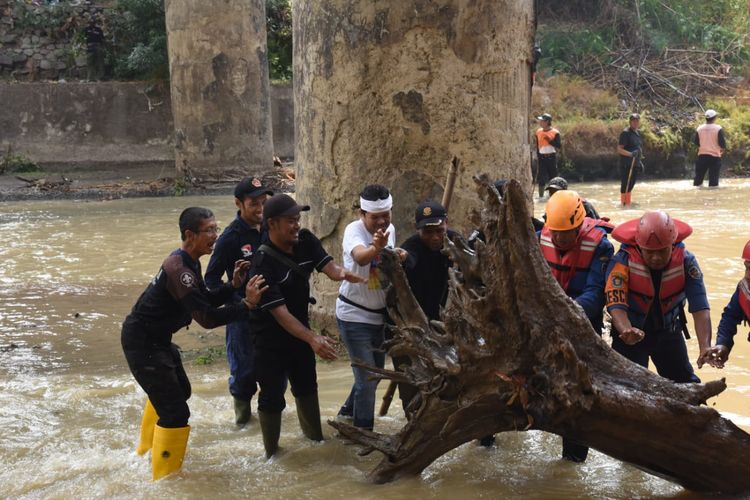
column 285, row 347
column 648, row 282
column 578, row 252
column 709, row 138
column 176, row 296
column 630, row 151
column 426, row 270
column 548, row 143
column 239, row 241
column 360, row 307
column 736, row 311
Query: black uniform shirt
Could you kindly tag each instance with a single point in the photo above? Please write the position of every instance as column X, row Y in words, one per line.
column 427, row 272
column 630, row 140
column 286, row 287
column 239, row 241
column 176, row 296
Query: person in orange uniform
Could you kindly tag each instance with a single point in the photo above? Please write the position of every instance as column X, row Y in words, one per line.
column 737, row 311
column 709, row 138
column 648, row 282
column 547, row 145
column 577, row 251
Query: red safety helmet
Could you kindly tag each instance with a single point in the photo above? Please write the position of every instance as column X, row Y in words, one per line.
column 746, row 251
column 656, row 230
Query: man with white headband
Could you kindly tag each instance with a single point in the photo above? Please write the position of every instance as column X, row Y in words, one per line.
column 360, row 308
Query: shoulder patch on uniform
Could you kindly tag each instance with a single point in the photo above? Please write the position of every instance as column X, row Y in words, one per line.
column 695, row 272
column 617, row 280
column 187, row 279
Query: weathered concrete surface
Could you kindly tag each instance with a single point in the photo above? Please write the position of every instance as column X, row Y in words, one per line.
column 282, row 116
column 389, row 92
column 220, row 89
column 81, row 125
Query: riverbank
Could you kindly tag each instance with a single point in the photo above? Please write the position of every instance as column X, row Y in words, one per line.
column 132, row 182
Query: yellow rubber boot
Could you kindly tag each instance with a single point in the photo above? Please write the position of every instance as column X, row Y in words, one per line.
column 169, row 450
column 148, row 422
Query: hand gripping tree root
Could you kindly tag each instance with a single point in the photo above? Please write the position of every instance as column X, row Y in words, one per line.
column 515, row 353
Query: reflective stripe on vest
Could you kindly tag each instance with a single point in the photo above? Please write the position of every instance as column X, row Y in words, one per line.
column 544, row 139
column 744, row 297
column 708, row 139
column 564, row 266
column 641, row 286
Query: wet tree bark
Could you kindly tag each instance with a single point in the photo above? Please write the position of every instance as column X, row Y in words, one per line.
column 515, row 353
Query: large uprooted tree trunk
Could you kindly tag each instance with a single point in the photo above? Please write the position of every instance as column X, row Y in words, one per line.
column 516, row 353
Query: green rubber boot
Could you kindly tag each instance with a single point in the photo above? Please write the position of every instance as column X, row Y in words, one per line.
column 242, row 412
column 308, row 413
column 270, row 427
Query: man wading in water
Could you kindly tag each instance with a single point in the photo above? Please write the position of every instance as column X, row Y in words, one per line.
column 176, row 296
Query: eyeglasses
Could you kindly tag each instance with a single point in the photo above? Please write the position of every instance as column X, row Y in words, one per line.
column 214, row 230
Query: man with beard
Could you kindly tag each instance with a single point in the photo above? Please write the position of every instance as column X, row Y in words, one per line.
column 239, row 241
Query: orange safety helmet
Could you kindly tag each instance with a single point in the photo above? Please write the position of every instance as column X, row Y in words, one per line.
column 656, row 230
column 746, row 251
column 565, row 211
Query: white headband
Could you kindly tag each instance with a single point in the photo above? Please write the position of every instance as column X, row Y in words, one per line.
column 377, row 205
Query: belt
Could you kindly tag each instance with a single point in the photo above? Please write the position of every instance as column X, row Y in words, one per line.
column 352, row 303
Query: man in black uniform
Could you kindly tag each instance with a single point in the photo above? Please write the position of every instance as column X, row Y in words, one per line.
column 285, row 347
column 630, row 149
column 240, row 241
column 427, row 271
column 175, row 297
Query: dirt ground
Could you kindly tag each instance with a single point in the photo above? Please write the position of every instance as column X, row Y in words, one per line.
column 106, row 184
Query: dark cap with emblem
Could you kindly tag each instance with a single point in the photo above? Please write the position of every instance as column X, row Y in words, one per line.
column 250, row 187
column 282, row 205
column 635, row 116
column 429, row 213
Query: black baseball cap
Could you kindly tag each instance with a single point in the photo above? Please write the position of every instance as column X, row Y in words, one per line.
column 635, row 116
column 557, row 183
column 429, row 213
column 545, row 117
column 282, row 205
column 250, row 187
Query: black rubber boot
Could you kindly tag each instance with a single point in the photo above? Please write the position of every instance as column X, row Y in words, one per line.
column 270, row 427
column 242, row 412
column 574, row 452
column 487, row 441
column 308, row 413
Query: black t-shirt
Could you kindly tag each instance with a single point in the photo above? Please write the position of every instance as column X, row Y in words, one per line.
column 286, row 287
column 630, row 140
column 176, row 296
column 427, row 272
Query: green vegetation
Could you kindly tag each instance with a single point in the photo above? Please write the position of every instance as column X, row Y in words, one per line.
column 576, row 32
column 279, row 26
column 16, row 163
column 56, row 20
column 138, row 36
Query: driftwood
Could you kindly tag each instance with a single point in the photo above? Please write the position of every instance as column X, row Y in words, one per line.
column 515, row 353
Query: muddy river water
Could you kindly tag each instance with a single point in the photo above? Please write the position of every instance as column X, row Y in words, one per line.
column 70, row 410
